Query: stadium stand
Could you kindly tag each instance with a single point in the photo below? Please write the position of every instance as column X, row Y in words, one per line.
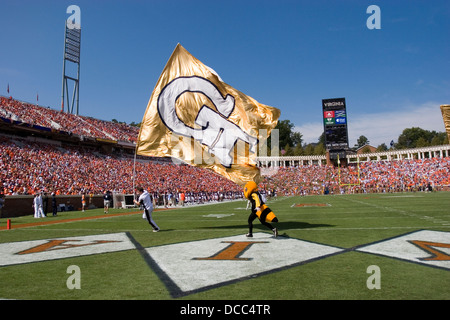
column 28, row 167
column 36, row 155
column 403, row 175
column 48, row 119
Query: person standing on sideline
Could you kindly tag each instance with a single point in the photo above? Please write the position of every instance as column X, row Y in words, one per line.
column 182, row 198
column 37, row 204
column 44, row 202
column 144, row 200
column 54, row 207
column 106, row 201
column 83, row 201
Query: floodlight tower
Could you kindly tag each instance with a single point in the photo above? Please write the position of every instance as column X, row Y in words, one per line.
column 72, row 45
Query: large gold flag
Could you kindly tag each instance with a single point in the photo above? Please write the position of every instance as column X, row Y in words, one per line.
column 445, row 110
column 194, row 116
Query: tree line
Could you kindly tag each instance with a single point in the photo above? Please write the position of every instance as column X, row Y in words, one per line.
column 291, row 142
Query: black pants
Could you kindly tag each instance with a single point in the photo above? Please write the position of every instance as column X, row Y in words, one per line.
column 148, row 215
column 252, row 217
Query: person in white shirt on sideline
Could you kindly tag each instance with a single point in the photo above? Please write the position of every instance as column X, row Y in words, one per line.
column 145, row 200
column 37, row 204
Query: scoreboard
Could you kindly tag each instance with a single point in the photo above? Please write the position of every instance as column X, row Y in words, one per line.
column 335, row 124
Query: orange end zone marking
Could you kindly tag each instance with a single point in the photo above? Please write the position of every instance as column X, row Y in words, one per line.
column 233, row 251
column 430, row 247
column 312, row 205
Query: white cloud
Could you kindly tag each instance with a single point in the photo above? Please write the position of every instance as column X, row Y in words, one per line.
column 310, row 131
column 384, row 126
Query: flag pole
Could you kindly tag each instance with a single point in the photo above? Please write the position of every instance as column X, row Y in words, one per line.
column 339, row 169
column 359, row 176
column 134, row 173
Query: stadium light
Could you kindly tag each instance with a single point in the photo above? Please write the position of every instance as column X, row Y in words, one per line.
column 72, row 49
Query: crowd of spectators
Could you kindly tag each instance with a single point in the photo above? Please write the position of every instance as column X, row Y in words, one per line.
column 28, row 167
column 369, row 177
column 33, row 114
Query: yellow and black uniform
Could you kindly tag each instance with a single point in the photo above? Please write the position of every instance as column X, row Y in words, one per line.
column 259, row 209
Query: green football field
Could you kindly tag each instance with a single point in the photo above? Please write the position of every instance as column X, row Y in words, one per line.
column 366, row 246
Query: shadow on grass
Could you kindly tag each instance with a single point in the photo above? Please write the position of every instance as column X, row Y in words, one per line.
column 284, row 226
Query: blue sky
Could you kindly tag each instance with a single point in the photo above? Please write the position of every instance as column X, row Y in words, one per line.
column 287, row 54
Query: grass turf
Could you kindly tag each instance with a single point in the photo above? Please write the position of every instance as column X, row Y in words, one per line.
column 343, row 221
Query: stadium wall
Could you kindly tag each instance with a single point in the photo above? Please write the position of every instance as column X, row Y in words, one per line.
column 17, row 206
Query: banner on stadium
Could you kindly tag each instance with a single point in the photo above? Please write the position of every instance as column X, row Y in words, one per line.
column 445, row 109
column 194, row 116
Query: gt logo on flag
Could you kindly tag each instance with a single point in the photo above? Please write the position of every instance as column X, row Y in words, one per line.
column 195, row 117
column 217, row 133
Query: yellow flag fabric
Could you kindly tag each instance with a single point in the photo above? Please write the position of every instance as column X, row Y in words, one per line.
column 445, row 110
column 194, row 116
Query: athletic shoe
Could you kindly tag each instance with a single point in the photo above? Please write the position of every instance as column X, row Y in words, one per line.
column 155, row 230
column 249, row 235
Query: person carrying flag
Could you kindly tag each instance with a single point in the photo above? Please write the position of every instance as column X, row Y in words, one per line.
column 144, row 199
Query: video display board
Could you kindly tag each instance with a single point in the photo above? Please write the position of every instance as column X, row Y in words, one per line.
column 335, row 123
